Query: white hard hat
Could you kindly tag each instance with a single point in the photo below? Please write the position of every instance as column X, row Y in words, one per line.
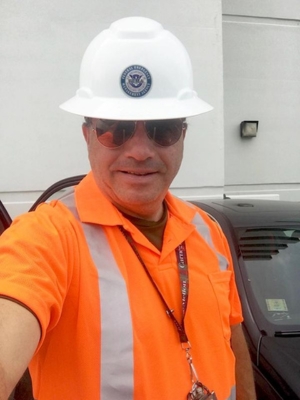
column 136, row 70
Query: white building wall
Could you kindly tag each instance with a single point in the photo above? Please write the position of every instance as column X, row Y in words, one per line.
column 261, row 48
column 41, row 46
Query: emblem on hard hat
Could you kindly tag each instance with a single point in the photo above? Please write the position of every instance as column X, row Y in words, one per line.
column 136, row 81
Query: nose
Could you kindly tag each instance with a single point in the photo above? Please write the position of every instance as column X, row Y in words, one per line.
column 139, row 146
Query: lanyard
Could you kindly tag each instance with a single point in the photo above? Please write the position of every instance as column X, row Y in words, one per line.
column 199, row 391
column 184, row 283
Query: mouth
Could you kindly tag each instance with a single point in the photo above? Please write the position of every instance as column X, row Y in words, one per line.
column 138, row 173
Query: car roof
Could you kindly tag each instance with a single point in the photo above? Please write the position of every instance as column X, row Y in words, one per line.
column 254, row 213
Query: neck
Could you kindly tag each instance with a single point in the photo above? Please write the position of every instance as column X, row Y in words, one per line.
column 147, row 216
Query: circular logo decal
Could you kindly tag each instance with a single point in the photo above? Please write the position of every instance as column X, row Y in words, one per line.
column 136, row 81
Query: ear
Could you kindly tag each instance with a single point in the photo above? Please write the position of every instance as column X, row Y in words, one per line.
column 86, row 132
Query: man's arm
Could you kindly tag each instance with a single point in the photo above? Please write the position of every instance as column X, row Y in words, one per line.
column 245, row 388
column 19, row 338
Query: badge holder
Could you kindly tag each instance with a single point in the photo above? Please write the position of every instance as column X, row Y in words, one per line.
column 198, row 391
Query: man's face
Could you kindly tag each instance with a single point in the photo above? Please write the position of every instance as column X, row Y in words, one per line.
column 135, row 176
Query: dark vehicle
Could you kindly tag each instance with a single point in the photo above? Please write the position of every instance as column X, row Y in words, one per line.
column 264, row 240
column 263, row 236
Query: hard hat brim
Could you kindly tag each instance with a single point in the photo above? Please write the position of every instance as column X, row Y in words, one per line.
column 135, row 109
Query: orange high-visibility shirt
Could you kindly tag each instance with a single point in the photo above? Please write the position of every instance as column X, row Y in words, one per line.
column 45, row 264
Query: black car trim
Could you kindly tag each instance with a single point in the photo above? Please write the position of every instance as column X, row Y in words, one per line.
column 5, row 219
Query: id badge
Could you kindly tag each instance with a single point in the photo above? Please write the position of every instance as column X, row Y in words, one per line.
column 200, row 392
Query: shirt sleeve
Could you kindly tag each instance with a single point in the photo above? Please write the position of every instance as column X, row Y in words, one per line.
column 36, row 262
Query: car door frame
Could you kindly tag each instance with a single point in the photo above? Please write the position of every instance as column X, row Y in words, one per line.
column 5, row 219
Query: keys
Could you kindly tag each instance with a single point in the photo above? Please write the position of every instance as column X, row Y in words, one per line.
column 200, row 392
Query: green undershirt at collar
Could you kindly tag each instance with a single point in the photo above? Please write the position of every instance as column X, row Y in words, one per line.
column 153, row 230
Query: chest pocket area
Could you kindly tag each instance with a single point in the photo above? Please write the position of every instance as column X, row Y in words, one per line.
column 220, row 282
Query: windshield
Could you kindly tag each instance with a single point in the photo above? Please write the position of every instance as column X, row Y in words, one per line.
column 272, row 266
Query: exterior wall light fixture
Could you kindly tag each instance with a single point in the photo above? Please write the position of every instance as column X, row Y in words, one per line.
column 249, row 129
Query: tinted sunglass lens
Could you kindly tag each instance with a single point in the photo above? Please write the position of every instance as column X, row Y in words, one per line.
column 165, row 132
column 114, row 133
column 123, row 132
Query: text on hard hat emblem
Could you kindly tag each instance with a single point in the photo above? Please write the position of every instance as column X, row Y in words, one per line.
column 136, row 81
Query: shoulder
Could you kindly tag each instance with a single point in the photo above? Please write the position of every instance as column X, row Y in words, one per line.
column 188, row 211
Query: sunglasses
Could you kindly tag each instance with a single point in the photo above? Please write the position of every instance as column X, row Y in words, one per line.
column 113, row 134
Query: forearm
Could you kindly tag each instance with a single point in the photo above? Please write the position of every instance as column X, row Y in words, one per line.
column 19, row 337
column 244, row 375
column 4, row 391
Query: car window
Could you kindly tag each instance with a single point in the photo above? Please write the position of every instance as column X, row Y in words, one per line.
column 5, row 219
column 272, row 265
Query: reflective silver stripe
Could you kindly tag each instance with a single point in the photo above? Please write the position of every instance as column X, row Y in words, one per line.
column 203, row 230
column 232, row 394
column 116, row 324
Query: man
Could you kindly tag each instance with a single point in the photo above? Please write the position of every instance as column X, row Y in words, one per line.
column 119, row 290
